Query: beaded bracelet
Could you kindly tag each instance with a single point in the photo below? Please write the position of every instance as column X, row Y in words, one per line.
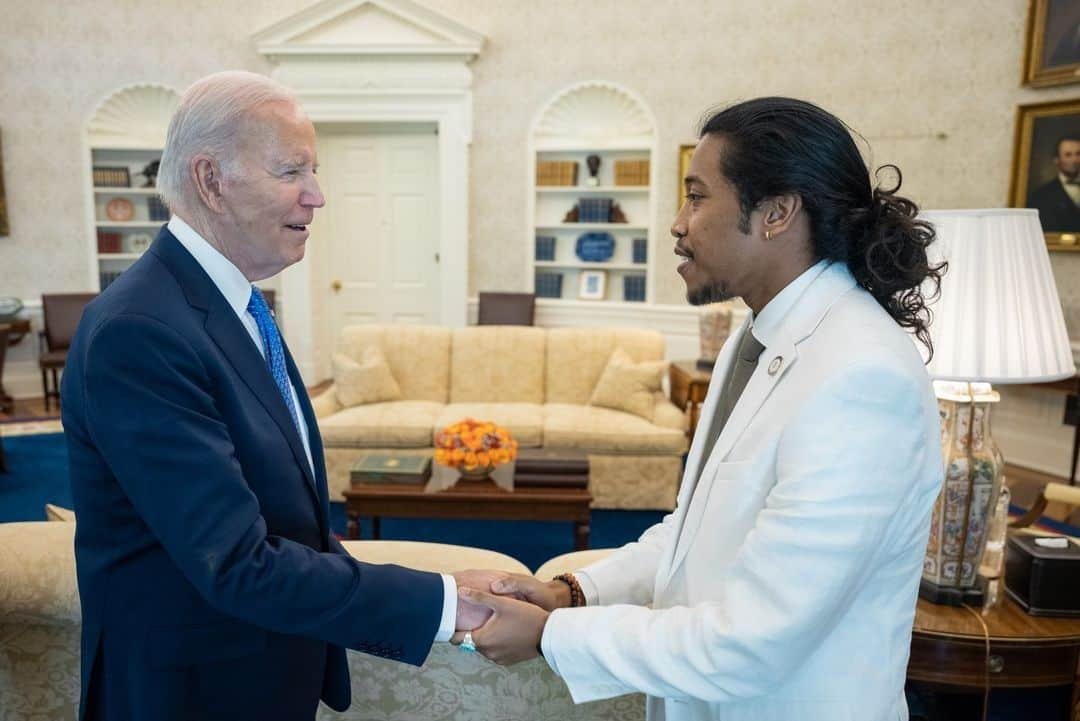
column 577, row 596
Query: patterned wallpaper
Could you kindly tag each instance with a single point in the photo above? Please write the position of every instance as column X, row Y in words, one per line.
column 931, row 86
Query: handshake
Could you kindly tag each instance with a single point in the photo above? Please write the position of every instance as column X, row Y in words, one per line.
column 502, row 615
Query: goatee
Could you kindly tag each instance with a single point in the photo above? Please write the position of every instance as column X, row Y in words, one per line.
column 714, row 293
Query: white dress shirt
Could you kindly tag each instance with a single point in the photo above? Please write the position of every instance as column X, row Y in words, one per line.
column 237, row 292
column 1071, row 189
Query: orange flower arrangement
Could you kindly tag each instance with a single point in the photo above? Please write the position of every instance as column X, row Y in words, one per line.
column 471, row 444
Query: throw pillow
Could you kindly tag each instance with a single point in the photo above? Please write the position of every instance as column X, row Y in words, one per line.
column 628, row 386
column 368, row 381
column 59, row 513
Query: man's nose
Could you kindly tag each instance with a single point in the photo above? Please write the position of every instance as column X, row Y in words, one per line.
column 312, row 196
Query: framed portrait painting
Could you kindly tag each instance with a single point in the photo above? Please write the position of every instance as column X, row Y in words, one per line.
column 685, row 151
column 593, row 284
column 4, row 228
column 1046, row 169
column 1053, row 43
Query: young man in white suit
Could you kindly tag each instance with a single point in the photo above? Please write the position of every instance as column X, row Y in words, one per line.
column 784, row 584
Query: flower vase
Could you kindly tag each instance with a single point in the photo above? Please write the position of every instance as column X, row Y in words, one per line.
column 476, row 474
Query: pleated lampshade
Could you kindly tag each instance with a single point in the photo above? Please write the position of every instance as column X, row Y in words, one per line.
column 999, row 318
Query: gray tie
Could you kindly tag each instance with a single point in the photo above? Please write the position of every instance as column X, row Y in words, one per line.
column 746, row 357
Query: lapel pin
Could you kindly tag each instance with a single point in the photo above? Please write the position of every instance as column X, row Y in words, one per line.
column 774, row 366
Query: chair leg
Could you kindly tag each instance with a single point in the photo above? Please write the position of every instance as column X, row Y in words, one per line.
column 45, row 387
column 56, row 387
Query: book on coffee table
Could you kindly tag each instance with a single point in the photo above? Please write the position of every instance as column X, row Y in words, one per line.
column 559, row 462
column 391, row 468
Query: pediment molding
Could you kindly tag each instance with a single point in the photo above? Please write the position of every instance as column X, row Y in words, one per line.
column 371, row 28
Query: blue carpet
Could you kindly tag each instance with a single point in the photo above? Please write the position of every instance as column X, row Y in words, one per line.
column 38, row 474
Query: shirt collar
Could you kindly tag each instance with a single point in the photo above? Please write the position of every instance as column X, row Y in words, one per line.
column 766, row 324
column 226, row 276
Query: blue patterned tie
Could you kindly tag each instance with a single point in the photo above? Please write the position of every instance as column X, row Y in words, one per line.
column 275, row 352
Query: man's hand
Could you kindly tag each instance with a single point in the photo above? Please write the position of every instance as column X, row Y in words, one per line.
column 548, row 596
column 469, row 615
column 512, row 633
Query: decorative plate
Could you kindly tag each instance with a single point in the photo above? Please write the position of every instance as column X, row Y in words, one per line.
column 120, row 209
column 595, row 247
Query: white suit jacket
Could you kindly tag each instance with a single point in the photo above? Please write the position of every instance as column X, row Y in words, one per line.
column 783, row 586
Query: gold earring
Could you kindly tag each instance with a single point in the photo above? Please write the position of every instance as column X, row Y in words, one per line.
column 768, row 235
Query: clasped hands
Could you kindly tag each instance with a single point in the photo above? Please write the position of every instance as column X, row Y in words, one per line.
column 505, row 612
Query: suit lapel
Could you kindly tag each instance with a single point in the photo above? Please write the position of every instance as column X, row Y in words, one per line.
column 773, row 366
column 314, row 439
column 226, row 330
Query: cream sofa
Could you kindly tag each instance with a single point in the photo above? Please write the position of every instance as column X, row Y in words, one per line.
column 39, row 644
column 536, row 382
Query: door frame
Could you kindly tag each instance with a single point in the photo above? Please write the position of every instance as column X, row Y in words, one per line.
column 318, row 255
column 451, row 117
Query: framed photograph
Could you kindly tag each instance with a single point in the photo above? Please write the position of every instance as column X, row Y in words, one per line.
column 5, row 229
column 1053, row 43
column 685, row 151
column 1046, row 169
column 592, row 284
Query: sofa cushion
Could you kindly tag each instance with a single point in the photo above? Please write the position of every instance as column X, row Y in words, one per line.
column 497, row 364
column 525, row 421
column 404, row 347
column 433, row 557
column 628, row 386
column 395, row 424
column 576, row 357
column 590, row 428
column 366, row 381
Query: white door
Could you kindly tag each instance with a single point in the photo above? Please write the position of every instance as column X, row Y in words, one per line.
column 379, row 228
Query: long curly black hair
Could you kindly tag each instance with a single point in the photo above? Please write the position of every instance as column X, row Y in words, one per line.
column 776, row 146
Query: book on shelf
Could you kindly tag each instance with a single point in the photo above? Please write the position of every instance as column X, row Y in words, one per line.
column 631, row 172
column 391, row 468
column 548, row 285
column 556, row 172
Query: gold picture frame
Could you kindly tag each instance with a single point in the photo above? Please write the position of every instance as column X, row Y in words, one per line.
column 5, row 229
column 685, row 151
column 1039, row 127
column 1052, row 48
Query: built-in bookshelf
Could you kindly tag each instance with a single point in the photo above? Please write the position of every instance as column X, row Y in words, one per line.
column 124, row 141
column 592, row 153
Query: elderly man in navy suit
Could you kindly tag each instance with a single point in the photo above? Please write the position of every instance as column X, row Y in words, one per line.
column 211, row 585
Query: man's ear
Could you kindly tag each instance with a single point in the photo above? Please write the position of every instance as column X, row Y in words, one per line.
column 206, row 172
column 779, row 213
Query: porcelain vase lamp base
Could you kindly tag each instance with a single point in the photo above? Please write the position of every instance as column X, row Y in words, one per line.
column 974, row 471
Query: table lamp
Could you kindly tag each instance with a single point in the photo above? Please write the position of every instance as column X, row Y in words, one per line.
column 998, row 320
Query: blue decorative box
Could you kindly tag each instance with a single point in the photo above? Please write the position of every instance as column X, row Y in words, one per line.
column 545, row 247
column 548, row 285
column 594, row 210
column 641, row 250
column 633, row 288
column 595, row 247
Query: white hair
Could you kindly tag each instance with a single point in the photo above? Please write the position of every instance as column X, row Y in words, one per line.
column 209, row 119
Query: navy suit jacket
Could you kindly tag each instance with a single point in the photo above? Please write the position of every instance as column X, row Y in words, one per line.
column 211, row 585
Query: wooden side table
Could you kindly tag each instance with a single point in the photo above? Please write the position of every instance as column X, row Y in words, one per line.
column 11, row 332
column 948, row 650
column 689, row 384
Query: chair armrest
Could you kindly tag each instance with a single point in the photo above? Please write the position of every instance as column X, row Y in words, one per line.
column 326, row 403
column 667, row 415
column 37, row 573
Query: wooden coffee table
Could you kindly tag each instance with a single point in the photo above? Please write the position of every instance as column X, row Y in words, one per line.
column 948, row 650
column 469, row 500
